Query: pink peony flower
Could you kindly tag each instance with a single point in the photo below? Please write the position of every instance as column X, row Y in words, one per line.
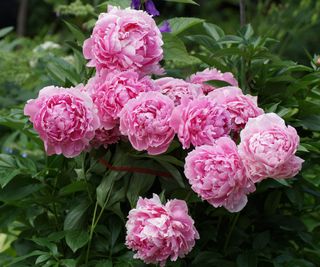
column 241, row 107
column 106, row 137
column 212, row 75
column 200, row 122
column 110, row 91
column 125, row 39
column 178, row 88
column 266, row 144
column 288, row 169
column 64, row 118
column 216, row 173
column 160, row 232
column 145, row 120
column 258, row 172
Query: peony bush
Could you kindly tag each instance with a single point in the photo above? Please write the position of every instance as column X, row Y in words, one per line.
column 151, row 154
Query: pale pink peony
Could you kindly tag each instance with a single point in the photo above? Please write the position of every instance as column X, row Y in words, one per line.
column 266, row 144
column 110, row 91
column 211, row 75
column 200, row 122
column 65, row 119
column 125, row 39
column 258, row 172
column 145, row 120
column 105, row 137
column 178, row 88
column 160, row 232
column 288, row 169
column 241, row 107
column 216, row 173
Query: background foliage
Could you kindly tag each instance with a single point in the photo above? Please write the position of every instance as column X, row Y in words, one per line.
column 71, row 212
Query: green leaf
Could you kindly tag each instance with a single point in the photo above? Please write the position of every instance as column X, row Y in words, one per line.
column 175, row 50
column 76, row 239
column 22, row 258
column 247, row 260
column 42, row 258
column 76, row 215
column 120, row 3
column 76, row 32
column 139, row 184
column 73, row 187
column 105, row 263
column 106, row 185
column 5, row 31
column 174, row 172
column 205, row 41
column 261, row 240
column 311, row 122
column 178, row 25
column 213, row 30
column 19, row 189
column 218, row 83
column 69, row 263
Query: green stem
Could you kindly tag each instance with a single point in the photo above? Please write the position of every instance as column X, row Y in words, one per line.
column 230, row 231
column 91, row 232
column 95, row 221
column 85, row 175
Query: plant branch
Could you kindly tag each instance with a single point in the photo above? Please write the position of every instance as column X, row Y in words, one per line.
column 242, row 12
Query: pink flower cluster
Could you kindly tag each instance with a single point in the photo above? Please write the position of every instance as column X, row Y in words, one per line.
column 160, row 232
column 121, row 100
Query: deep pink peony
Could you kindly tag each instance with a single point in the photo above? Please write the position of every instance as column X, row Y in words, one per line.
column 178, row 88
column 200, row 122
column 160, row 232
column 105, row 137
column 145, row 120
column 110, row 91
column 210, row 75
column 241, row 107
column 65, row 119
column 125, row 39
column 266, row 144
column 217, row 174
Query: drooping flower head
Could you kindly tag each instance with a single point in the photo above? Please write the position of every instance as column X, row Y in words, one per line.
column 178, row 88
column 145, row 120
column 125, row 39
column 241, row 107
column 211, row 75
column 266, row 144
column 200, row 122
column 217, row 174
column 158, row 233
column 110, row 91
column 65, row 119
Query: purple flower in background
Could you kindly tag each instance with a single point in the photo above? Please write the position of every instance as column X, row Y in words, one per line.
column 165, row 27
column 151, row 8
column 135, row 4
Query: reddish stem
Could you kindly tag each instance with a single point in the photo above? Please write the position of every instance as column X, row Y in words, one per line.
column 134, row 169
